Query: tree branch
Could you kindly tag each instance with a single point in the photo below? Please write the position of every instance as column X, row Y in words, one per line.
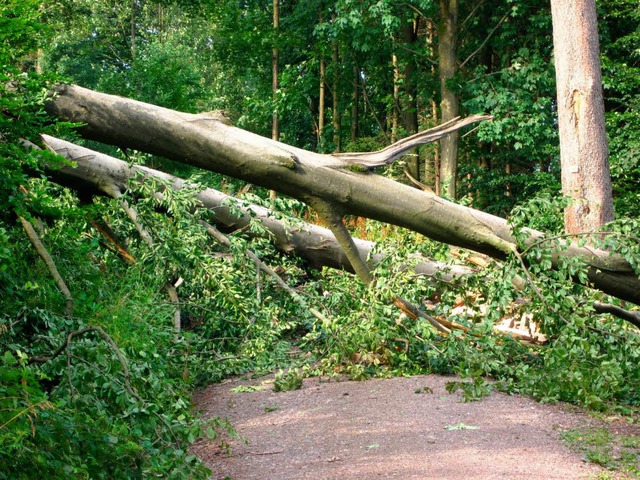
column 224, row 240
column 632, row 317
column 413, row 312
column 51, row 265
column 333, row 218
column 506, row 15
column 116, row 350
column 115, row 192
column 392, row 152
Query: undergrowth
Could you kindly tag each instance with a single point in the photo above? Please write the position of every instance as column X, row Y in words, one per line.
column 104, row 392
column 610, row 450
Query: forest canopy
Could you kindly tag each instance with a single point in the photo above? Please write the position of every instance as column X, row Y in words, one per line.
column 135, row 269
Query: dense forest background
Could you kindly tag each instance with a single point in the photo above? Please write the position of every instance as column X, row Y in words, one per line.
column 95, row 381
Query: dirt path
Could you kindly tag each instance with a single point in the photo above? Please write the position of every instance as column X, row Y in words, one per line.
column 384, row 429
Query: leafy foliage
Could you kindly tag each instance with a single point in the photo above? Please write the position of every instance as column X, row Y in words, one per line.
column 104, row 392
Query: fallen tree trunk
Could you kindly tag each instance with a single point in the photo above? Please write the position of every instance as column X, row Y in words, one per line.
column 332, row 185
column 99, row 174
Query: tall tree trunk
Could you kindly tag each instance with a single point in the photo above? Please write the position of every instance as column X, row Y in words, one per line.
column 275, row 59
column 355, row 108
column 160, row 22
column 396, row 98
column 432, row 159
column 436, row 153
column 410, row 97
column 344, row 182
column 583, row 143
column 321, row 104
column 447, row 40
column 336, row 114
column 133, row 29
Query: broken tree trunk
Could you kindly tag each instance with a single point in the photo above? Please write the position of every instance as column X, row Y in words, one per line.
column 351, row 188
column 99, row 174
column 51, row 265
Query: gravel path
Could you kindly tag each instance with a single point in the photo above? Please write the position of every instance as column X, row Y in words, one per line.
column 383, row 429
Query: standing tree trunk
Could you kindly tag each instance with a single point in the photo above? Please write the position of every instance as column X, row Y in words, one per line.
column 275, row 58
column 321, row 104
column 275, row 124
column 336, row 116
column 584, row 153
column 396, row 98
column 410, row 97
column 355, row 110
column 133, row 29
column 432, row 155
column 447, row 39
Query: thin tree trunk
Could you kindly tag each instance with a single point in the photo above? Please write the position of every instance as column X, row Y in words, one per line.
column 355, row 98
column 336, row 113
column 133, row 29
column 321, row 103
column 275, row 58
column 583, row 142
column 160, row 20
column 447, row 46
column 410, row 97
column 396, row 98
column 436, row 152
column 507, row 172
column 432, row 158
column 275, row 85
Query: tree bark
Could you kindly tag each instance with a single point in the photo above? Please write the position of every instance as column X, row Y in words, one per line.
column 447, row 40
column 205, row 142
column 583, row 142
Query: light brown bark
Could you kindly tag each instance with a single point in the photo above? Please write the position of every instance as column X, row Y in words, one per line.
column 133, row 29
column 396, row 98
column 583, row 143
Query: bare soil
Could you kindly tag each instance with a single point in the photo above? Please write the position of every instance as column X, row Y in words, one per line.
column 383, row 429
